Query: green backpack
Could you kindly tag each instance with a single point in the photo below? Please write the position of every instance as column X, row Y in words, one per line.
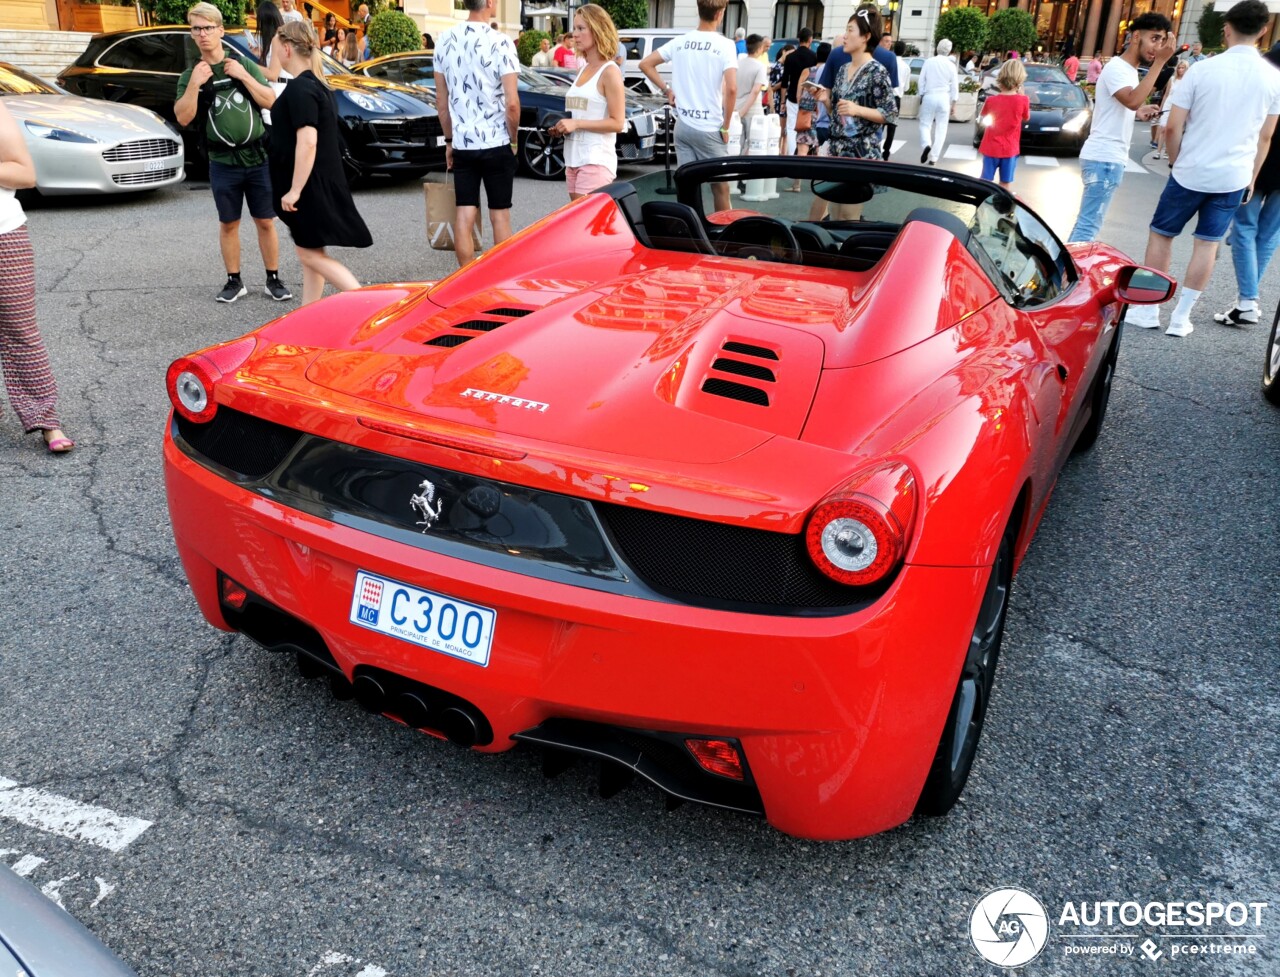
column 232, row 117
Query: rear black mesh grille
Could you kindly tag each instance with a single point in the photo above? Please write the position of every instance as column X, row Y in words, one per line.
column 698, row 560
column 247, row 445
column 719, row 387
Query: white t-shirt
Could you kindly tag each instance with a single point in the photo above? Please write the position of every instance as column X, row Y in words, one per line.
column 1227, row 99
column 1112, row 130
column 12, row 216
column 938, row 76
column 752, row 73
column 474, row 58
column 288, row 15
column 699, row 60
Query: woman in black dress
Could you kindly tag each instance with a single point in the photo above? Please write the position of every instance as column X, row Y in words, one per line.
column 307, row 182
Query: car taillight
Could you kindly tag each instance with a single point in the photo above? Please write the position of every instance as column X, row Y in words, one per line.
column 858, row 534
column 719, row 757
column 190, row 379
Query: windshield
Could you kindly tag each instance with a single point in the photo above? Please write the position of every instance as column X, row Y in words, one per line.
column 332, row 66
column 1056, row 96
column 534, row 82
column 14, row 81
column 1044, row 72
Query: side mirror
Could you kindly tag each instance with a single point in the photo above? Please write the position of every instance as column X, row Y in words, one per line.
column 1143, row 286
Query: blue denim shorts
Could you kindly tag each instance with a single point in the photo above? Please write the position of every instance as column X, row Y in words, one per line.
column 1177, row 204
column 1005, row 164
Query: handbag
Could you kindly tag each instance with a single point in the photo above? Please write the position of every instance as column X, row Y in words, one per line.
column 442, row 212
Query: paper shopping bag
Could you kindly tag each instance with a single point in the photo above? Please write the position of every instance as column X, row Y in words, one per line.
column 441, row 214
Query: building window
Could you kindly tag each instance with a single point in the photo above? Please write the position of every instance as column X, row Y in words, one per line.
column 790, row 15
column 735, row 16
column 661, row 12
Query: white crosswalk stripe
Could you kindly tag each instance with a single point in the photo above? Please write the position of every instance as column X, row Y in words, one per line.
column 1041, row 160
column 959, row 152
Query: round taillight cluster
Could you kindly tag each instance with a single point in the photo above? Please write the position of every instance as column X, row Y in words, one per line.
column 859, row 534
column 190, row 379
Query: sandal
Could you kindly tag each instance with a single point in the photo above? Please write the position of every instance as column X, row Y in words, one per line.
column 59, row 445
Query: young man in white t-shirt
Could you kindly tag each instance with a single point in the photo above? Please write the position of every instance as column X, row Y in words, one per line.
column 704, row 88
column 1120, row 97
column 1220, row 125
column 476, row 70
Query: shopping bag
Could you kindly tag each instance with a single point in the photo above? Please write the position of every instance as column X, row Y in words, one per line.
column 441, row 214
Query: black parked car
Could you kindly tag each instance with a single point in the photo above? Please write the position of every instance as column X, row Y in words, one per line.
column 541, row 106
column 1061, row 115
column 387, row 129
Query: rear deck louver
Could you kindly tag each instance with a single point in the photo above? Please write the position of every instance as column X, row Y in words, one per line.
column 743, row 361
column 461, row 332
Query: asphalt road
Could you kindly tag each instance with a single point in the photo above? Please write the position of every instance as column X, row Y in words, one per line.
column 1130, row 752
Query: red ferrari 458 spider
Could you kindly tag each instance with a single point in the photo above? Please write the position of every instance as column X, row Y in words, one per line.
column 729, row 500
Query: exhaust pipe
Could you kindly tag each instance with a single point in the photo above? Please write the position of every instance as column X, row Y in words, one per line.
column 458, row 726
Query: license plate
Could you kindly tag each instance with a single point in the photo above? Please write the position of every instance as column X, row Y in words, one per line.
column 423, row 617
column 647, row 142
column 439, row 141
column 154, row 166
column 1049, row 128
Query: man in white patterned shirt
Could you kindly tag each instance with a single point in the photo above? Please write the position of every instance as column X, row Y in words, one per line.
column 476, row 71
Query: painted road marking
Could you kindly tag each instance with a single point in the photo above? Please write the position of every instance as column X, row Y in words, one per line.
column 955, row 151
column 897, row 144
column 62, row 816
column 25, row 865
column 1040, row 160
column 332, row 958
column 1131, row 167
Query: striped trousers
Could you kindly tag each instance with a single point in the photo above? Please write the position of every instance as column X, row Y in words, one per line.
column 27, row 376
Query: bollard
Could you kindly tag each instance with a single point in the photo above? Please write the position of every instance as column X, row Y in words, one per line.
column 735, row 135
column 757, row 145
column 773, row 138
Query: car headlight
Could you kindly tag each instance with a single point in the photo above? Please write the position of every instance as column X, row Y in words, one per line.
column 1076, row 124
column 371, row 103
column 59, row 135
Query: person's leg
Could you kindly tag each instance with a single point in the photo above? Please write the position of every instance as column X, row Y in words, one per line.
column 28, row 378
column 942, row 118
column 499, row 173
column 318, row 268
column 262, row 208
column 989, row 164
column 926, row 124
column 464, row 247
column 268, row 243
column 1215, row 212
column 1200, row 268
column 1100, row 181
column 790, row 136
column 229, row 245
column 889, row 133
column 1268, row 232
column 1244, row 256
column 1008, row 166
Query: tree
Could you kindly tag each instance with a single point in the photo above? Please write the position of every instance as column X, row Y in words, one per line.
column 392, row 32
column 529, row 43
column 1209, row 28
column 964, row 27
column 627, row 14
column 175, row 11
column 1011, row 30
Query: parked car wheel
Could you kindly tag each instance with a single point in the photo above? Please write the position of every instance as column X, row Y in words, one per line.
column 542, row 155
column 1271, row 368
column 1099, row 397
column 959, row 744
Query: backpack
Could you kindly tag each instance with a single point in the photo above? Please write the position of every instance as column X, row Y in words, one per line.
column 225, row 106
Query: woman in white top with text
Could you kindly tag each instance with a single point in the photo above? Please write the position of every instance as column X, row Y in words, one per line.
column 596, row 104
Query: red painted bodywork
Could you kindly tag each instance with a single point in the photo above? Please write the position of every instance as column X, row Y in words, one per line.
column 917, row 360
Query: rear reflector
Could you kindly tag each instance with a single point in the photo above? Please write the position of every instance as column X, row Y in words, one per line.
column 233, row 595
column 719, row 757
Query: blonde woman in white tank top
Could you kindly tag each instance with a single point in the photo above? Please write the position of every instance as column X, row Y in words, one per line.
column 596, row 103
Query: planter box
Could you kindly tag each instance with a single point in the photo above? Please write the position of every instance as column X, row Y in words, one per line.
column 910, row 108
column 965, row 108
column 100, row 18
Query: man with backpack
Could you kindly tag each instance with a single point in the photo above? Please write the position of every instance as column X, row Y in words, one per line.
column 224, row 96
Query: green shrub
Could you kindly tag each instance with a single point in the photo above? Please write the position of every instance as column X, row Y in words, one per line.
column 965, row 27
column 1209, row 28
column 392, row 32
column 175, row 11
column 627, row 14
column 529, row 43
column 969, row 85
column 1011, row 30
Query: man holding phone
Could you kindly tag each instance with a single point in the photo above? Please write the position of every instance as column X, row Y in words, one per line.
column 1220, row 126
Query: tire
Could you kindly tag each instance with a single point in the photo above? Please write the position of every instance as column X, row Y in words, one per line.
column 1099, row 397
column 542, row 155
column 958, row 745
column 1271, row 365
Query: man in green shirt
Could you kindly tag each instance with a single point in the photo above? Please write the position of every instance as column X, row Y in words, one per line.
column 230, row 95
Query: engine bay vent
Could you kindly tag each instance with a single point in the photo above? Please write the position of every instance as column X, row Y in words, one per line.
column 744, row 363
column 461, row 332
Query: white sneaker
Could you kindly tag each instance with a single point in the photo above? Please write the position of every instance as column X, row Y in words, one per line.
column 1237, row 316
column 1180, row 329
column 1143, row 316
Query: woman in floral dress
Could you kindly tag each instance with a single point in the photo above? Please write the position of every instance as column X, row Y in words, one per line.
column 863, row 94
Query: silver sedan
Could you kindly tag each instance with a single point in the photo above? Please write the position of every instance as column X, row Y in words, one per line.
column 84, row 145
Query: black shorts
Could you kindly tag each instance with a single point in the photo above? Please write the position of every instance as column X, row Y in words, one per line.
column 233, row 185
column 496, row 168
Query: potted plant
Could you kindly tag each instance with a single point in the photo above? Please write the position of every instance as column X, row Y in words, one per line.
column 967, row 103
column 910, row 108
column 99, row 16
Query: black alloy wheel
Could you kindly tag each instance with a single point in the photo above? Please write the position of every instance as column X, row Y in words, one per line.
column 542, row 154
column 1271, row 367
column 959, row 744
column 1099, row 397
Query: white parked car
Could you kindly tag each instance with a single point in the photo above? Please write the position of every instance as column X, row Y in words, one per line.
column 84, row 145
